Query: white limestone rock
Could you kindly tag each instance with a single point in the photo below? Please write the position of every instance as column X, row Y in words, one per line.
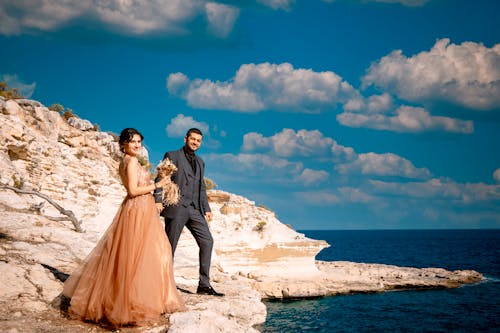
column 255, row 255
column 10, row 107
column 81, row 124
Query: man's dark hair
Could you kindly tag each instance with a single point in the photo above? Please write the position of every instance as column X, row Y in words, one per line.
column 193, row 130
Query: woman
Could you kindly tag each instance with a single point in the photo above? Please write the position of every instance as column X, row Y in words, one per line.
column 128, row 278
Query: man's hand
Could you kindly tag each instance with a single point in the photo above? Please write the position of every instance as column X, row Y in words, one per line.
column 208, row 216
column 159, row 207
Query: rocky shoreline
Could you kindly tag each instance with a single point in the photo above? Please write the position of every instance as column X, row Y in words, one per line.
column 343, row 277
column 241, row 310
column 255, row 256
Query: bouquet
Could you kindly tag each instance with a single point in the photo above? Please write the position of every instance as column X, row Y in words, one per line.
column 170, row 190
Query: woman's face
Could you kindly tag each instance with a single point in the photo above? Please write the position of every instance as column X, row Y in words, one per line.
column 133, row 147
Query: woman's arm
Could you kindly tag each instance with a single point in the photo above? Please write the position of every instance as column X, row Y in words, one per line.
column 132, row 171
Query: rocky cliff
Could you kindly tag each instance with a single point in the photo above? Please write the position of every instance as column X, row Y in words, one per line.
column 59, row 190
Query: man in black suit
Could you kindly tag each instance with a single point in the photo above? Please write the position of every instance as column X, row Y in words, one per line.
column 192, row 210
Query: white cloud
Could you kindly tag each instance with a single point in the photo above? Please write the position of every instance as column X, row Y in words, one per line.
column 252, row 165
column 26, row 90
column 303, row 143
column 467, row 74
column 254, row 141
column 10, row 24
column 278, row 4
column 463, row 193
column 351, row 194
column 406, row 119
column 329, row 198
column 19, row 15
column 342, row 153
column 312, row 177
column 267, row 169
column 383, row 165
column 373, row 104
column 289, row 143
column 132, row 17
column 265, row 86
column 143, row 17
column 379, row 103
column 178, row 84
column 409, row 3
column 318, row 198
column 180, row 124
column 221, row 18
column 496, row 175
column 205, row 94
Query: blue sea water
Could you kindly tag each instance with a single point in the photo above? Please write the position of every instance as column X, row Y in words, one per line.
column 471, row 308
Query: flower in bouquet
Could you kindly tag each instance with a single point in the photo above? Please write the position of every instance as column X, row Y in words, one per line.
column 166, row 168
column 170, row 194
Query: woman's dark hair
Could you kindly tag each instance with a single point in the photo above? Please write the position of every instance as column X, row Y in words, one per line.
column 126, row 135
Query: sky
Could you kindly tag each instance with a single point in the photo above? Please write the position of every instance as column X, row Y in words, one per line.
column 339, row 114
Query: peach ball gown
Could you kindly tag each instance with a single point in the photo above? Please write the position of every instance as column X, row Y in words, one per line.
column 128, row 277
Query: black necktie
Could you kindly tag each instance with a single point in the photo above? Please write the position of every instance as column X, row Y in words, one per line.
column 192, row 160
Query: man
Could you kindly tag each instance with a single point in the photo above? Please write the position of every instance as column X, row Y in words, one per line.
column 192, row 210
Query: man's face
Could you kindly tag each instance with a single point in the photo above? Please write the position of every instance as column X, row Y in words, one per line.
column 193, row 141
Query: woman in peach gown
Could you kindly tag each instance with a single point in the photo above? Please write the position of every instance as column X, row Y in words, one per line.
column 128, row 277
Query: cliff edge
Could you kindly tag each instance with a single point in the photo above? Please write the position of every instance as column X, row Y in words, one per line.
column 55, row 167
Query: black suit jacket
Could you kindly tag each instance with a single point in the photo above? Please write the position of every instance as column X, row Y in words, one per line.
column 182, row 178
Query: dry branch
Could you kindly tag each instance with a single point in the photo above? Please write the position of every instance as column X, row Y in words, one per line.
column 70, row 215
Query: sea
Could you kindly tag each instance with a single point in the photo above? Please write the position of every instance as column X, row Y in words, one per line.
column 470, row 308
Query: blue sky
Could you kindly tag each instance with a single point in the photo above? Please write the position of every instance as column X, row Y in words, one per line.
column 369, row 114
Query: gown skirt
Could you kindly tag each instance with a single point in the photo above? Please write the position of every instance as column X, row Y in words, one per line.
column 128, row 278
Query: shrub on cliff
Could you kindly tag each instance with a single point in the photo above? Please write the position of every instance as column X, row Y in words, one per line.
column 210, row 184
column 67, row 114
column 259, row 227
column 7, row 93
column 57, row 107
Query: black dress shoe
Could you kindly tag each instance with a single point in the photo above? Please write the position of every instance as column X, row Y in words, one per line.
column 208, row 291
